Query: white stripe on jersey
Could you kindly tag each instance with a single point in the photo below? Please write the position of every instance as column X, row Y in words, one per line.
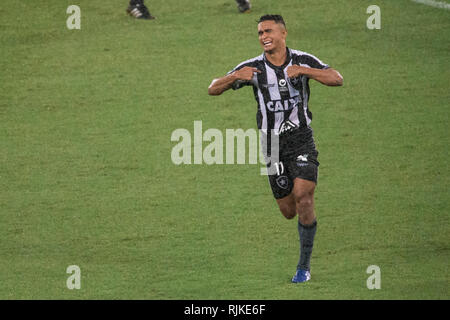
column 278, row 120
column 262, row 106
column 272, row 82
column 292, row 91
column 293, row 117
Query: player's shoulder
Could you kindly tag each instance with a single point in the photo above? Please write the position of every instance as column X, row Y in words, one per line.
column 299, row 53
column 302, row 57
column 253, row 62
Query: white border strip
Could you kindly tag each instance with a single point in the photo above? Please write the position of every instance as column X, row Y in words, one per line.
column 432, row 3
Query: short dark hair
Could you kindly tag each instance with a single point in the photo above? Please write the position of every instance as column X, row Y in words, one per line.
column 272, row 17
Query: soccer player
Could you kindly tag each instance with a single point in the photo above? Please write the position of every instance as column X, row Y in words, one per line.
column 137, row 9
column 280, row 80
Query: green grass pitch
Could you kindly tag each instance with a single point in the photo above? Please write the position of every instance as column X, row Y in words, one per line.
column 86, row 176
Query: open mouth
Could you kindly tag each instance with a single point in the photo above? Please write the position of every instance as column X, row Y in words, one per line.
column 267, row 43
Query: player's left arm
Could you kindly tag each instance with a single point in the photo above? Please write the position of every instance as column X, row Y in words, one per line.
column 328, row 76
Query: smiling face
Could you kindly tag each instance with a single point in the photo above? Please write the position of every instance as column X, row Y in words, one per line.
column 272, row 36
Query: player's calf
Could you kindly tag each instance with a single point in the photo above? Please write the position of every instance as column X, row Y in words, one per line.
column 305, row 209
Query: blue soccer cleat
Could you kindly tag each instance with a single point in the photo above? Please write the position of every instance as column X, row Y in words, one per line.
column 301, row 276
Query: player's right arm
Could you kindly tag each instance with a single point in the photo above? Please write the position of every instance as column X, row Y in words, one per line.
column 220, row 85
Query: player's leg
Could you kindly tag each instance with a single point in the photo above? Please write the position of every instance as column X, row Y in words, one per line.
column 303, row 193
column 282, row 185
column 299, row 201
column 293, row 188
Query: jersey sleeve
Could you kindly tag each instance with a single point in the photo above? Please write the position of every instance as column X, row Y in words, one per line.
column 239, row 83
column 311, row 61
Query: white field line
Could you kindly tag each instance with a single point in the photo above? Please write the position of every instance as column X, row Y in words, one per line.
column 432, row 3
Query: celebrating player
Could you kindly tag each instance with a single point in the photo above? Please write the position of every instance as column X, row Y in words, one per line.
column 280, row 80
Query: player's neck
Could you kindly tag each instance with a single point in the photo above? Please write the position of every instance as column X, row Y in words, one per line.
column 277, row 57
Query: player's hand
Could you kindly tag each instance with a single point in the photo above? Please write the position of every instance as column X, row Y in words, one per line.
column 246, row 73
column 294, row 71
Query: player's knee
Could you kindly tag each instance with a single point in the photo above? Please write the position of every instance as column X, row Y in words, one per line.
column 304, row 201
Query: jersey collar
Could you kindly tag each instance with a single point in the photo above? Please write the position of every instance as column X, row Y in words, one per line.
column 286, row 62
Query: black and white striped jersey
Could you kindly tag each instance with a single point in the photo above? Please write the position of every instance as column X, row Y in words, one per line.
column 282, row 102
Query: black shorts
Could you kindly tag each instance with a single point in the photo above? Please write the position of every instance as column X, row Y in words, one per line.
column 304, row 166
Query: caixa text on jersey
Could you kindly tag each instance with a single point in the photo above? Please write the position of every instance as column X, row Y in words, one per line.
column 282, row 105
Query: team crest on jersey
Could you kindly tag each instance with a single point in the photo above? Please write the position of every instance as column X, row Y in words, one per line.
column 282, row 182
